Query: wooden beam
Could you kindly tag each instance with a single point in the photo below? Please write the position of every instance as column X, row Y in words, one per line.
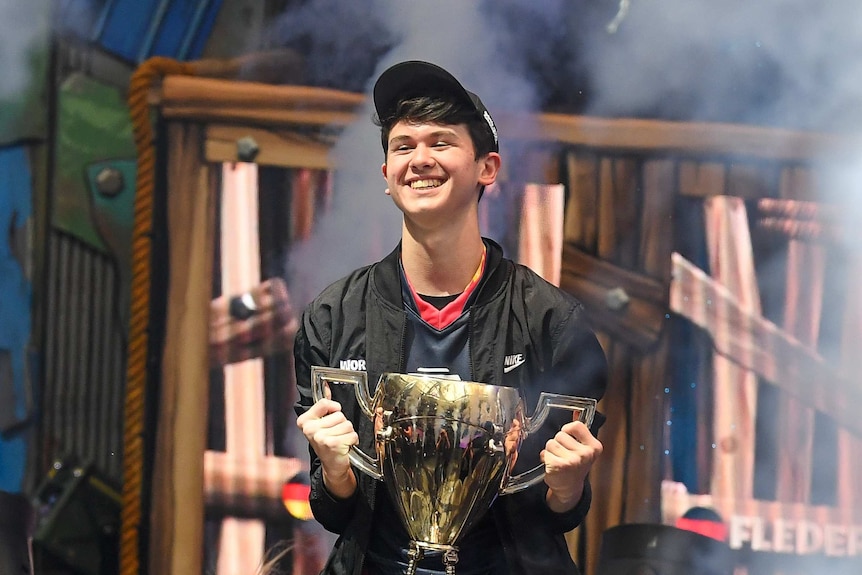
column 734, row 388
column 676, row 500
column 696, row 138
column 214, row 92
column 758, row 344
column 207, row 99
column 639, row 321
column 240, row 486
column 177, row 497
column 259, row 116
column 283, row 150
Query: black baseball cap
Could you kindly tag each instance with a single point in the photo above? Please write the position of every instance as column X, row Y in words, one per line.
column 414, row 78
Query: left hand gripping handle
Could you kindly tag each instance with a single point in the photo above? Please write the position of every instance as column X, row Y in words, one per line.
column 583, row 408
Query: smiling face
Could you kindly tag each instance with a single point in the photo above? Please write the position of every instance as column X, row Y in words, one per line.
column 432, row 172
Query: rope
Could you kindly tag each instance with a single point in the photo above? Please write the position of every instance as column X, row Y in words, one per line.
column 136, row 370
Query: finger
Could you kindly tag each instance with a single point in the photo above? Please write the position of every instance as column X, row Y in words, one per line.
column 566, row 449
column 317, row 411
column 327, row 393
column 338, row 443
column 332, row 423
column 335, row 426
column 579, row 431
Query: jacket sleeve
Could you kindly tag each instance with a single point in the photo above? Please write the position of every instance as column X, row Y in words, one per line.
column 311, row 348
column 576, row 365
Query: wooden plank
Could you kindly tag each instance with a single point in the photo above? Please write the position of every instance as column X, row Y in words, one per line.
column 241, row 544
column 618, row 216
column 273, row 117
column 751, row 181
column 758, row 344
column 731, row 263
column 803, row 220
column 623, row 455
column 541, row 231
column 802, row 311
column 241, row 484
column 702, row 179
column 656, row 228
column 216, row 92
column 795, row 427
column 177, row 498
column 649, row 371
column 608, row 475
column 689, row 138
column 284, row 150
column 676, row 501
column 198, row 99
column 580, row 220
column 849, row 472
column 639, row 322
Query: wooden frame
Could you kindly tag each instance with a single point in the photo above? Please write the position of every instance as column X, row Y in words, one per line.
column 204, row 119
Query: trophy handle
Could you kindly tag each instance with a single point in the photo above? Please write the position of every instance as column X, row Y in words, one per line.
column 584, row 407
column 323, row 376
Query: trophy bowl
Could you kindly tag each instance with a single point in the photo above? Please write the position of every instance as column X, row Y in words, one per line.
column 445, row 448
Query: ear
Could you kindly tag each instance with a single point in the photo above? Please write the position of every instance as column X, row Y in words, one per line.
column 383, row 171
column 489, row 168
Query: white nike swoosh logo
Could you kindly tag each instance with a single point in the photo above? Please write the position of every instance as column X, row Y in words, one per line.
column 509, row 368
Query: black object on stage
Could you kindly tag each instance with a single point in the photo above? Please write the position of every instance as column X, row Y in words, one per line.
column 77, row 521
column 15, row 529
column 656, row 549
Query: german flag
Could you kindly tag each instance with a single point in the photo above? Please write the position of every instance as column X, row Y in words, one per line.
column 294, row 495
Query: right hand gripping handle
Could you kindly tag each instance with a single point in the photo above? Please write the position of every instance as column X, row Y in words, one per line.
column 321, row 377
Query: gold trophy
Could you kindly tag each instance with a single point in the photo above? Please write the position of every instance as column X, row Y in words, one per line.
column 445, row 448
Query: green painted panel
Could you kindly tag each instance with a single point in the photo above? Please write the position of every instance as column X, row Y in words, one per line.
column 93, row 128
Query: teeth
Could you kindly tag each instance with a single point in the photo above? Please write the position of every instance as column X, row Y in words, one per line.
column 422, row 184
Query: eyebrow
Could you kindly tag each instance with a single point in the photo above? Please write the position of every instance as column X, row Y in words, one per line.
column 434, row 134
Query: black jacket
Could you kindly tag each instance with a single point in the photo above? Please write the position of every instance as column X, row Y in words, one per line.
column 361, row 318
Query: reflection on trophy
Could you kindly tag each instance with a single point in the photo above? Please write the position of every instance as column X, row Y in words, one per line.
column 445, row 449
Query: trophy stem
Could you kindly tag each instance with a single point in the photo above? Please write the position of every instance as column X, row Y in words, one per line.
column 414, row 555
column 449, row 560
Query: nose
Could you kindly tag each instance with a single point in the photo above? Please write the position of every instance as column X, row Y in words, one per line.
column 421, row 157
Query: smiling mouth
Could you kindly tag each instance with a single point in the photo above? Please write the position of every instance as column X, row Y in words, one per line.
column 426, row 184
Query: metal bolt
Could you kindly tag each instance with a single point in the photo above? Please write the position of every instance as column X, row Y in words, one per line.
column 109, row 181
column 616, row 299
column 247, row 149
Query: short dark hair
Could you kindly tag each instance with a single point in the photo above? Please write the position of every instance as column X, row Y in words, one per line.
column 439, row 109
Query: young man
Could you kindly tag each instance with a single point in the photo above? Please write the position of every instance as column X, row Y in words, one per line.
column 446, row 299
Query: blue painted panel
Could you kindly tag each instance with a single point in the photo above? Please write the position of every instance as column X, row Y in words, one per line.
column 125, row 25
column 199, row 41
column 15, row 301
column 183, row 23
column 138, row 29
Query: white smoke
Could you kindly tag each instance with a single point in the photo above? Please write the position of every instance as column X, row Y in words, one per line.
column 363, row 224
column 793, row 64
column 788, row 63
column 25, row 28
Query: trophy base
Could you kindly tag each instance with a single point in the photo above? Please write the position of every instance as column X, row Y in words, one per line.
column 417, row 552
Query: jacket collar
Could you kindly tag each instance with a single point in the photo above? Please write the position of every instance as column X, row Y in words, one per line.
column 387, row 279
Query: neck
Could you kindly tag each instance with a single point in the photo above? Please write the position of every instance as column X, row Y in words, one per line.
column 441, row 263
